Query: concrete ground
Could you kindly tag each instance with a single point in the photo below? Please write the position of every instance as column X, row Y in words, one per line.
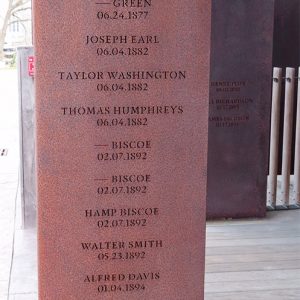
column 245, row 260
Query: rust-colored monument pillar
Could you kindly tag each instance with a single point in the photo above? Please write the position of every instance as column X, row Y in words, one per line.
column 240, row 105
column 122, row 110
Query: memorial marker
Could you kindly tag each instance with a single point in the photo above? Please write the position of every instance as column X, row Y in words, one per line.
column 25, row 68
column 240, row 101
column 122, row 108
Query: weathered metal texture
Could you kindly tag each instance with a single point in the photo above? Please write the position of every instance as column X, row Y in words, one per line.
column 240, row 103
column 27, row 138
column 287, row 33
column 93, row 118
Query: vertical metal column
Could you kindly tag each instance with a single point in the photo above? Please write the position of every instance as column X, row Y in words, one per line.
column 27, row 138
column 297, row 151
column 283, row 202
column 274, row 139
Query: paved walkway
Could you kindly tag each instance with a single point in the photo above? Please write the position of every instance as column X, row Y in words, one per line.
column 18, row 277
column 254, row 259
